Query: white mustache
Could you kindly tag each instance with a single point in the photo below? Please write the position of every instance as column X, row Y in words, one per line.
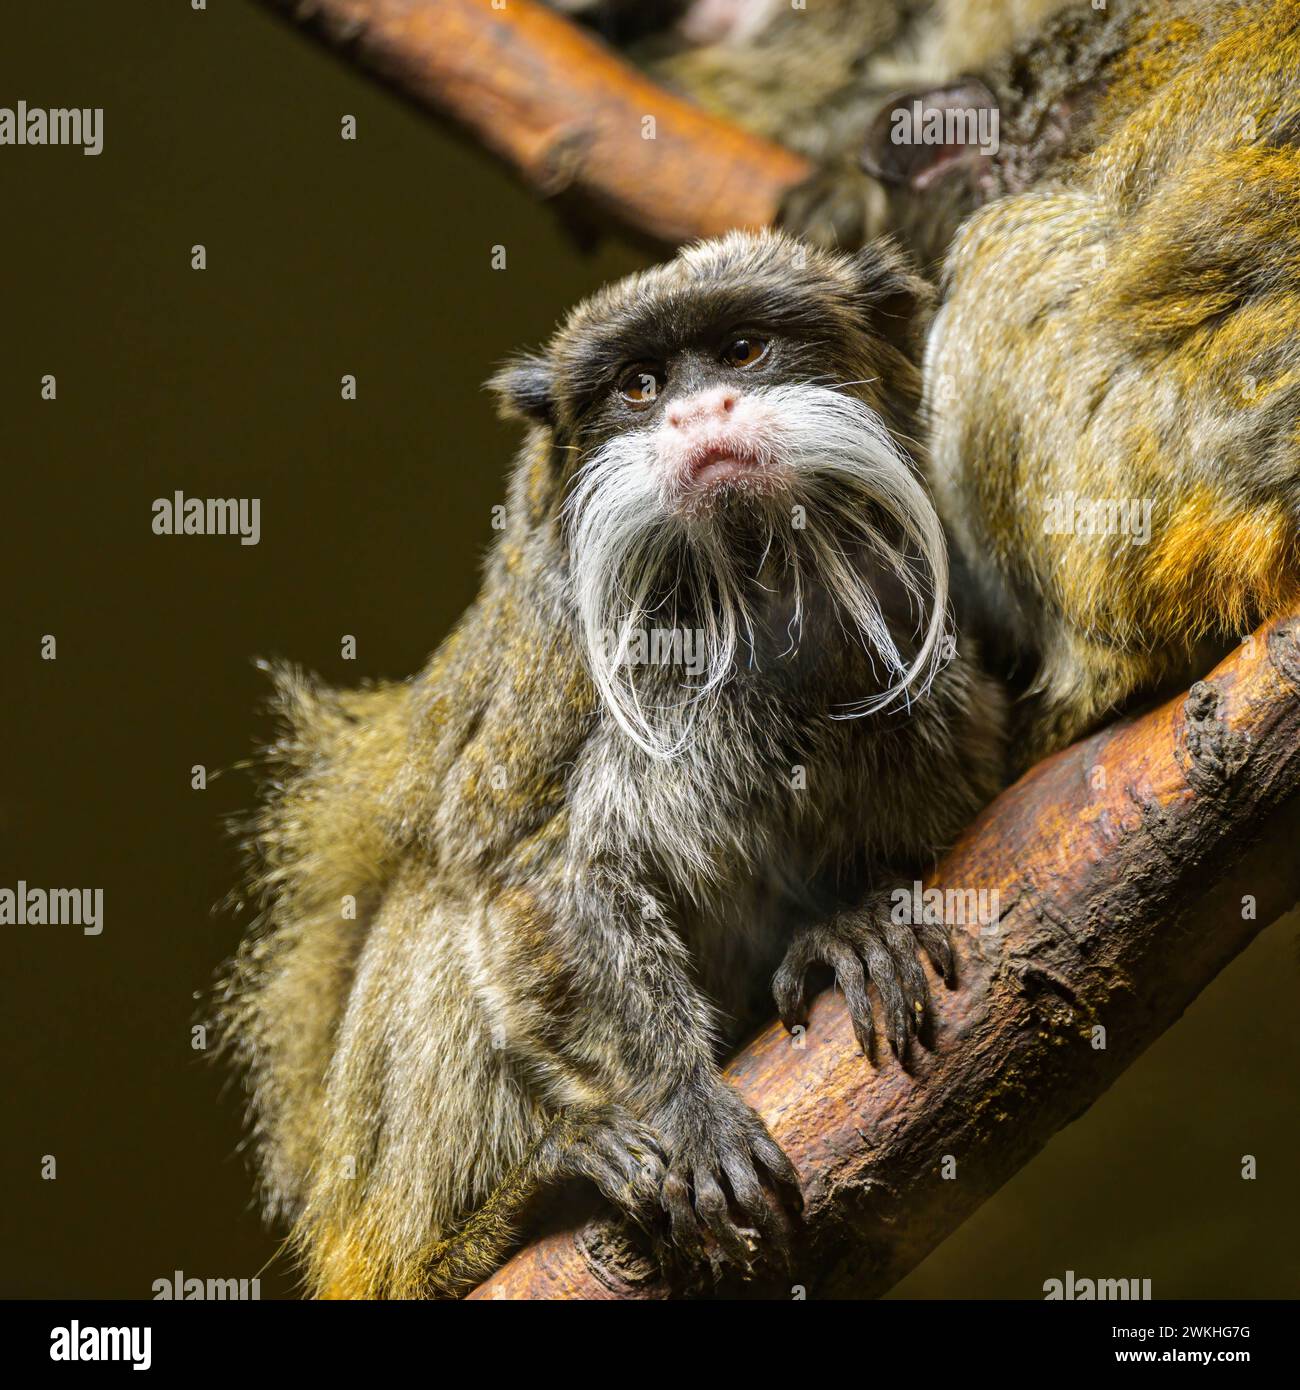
column 636, row 561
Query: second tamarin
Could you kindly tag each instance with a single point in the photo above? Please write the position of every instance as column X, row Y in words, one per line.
column 703, row 717
column 1113, row 378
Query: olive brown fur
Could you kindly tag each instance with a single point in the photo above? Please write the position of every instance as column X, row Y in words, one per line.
column 559, row 931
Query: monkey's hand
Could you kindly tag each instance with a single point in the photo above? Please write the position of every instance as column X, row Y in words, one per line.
column 721, row 1159
column 609, row 1146
column 860, row 945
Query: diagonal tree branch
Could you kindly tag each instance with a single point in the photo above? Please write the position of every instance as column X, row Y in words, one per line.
column 563, row 112
column 1129, row 870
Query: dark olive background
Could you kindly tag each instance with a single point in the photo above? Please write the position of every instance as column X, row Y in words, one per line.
column 326, row 257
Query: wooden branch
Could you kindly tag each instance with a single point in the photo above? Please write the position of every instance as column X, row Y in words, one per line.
column 563, row 111
column 1130, row 869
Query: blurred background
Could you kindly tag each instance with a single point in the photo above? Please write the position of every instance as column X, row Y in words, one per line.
column 327, row 257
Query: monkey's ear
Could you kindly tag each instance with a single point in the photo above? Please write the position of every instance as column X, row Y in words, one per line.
column 525, row 389
column 911, row 140
column 897, row 300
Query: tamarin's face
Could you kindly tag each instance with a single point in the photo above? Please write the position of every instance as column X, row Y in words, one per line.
column 702, row 371
column 722, row 429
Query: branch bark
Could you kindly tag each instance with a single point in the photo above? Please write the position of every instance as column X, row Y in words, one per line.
column 1121, row 865
column 563, row 111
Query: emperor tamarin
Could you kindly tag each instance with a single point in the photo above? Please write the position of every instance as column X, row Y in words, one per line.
column 704, row 714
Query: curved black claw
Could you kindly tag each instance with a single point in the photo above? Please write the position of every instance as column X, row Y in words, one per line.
column 728, row 1181
column 860, row 946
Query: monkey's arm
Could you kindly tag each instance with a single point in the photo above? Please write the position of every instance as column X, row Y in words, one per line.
column 610, row 1015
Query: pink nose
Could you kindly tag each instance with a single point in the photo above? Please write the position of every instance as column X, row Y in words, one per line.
column 714, row 404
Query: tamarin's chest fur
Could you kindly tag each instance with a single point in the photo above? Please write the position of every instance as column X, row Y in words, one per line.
column 495, row 772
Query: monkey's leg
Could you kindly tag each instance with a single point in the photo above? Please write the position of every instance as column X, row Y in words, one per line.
column 864, row 944
column 435, row 1136
column 602, row 1143
column 636, row 1030
column 423, row 1116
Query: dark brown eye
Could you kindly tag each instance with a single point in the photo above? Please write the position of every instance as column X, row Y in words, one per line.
column 641, row 384
column 744, row 352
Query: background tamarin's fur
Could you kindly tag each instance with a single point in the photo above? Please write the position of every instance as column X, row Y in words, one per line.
column 813, row 78
column 1124, row 323
column 553, row 926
